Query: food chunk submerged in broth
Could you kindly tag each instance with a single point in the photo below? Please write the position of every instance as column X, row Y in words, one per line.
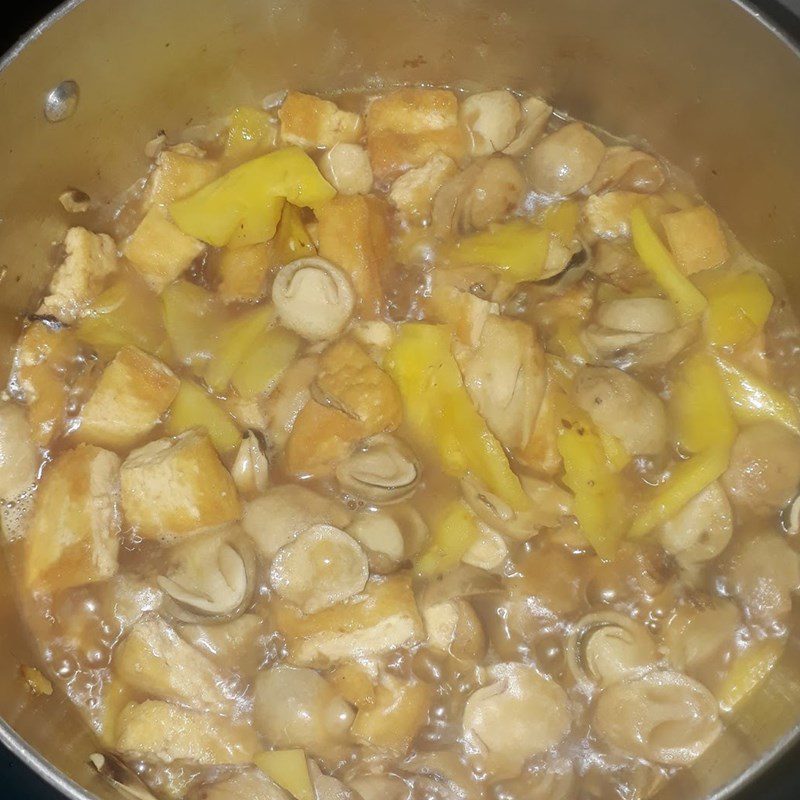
column 443, row 444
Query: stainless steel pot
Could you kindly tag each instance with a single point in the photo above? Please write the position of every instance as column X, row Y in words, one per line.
column 706, row 82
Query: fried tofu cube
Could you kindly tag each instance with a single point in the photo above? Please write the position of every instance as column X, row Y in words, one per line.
column 166, row 732
column 90, row 258
column 320, row 437
column 346, row 167
column 609, row 215
column 696, row 239
column 176, row 486
column 159, row 250
column 309, row 121
column 180, row 171
column 42, row 362
column 354, row 683
column 406, row 127
column 354, row 235
column 382, row 618
column 413, row 192
column 392, row 722
column 154, row 660
column 243, row 273
column 133, row 392
column 355, row 384
column 540, row 452
column 73, row 538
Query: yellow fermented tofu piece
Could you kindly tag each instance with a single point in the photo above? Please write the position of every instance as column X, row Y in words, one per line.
column 176, row 486
column 354, row 235
column 160, row 250
column 696, row 239
column 167, row 733
column 133, row 392
column 73, row 536
column 382, row 618
column 179, row 172
column 309, row 121
column 154, row 660
column 406, row 127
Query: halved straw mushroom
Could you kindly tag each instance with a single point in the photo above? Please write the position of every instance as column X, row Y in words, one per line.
column 389, row 536
column 520, row 715
column 627, row 169
column 791, row 517
column 550, row 505
column 638, row 315
column 605, row 647
column 346, row 167
column 488, row 551
column 383, row 471
column 313, row 298
column 210, row 578
column 250, row 469
column 565, row 161
column 665, row 717
column 120, row 777
column 453, row 627
column 535, row 116
column 701, row 530
column 321, row 567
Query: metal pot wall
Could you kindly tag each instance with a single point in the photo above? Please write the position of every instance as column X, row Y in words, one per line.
column 704, row 82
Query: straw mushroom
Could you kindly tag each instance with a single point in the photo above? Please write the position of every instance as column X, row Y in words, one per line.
column 607, row 646
column 627, row 169
column 665, row 717
column 297, row 707
column 321, row 567
column 491, row 120
column 701, row 530
column 520, row 715
column 621, row 406
column 313, row 298
column 389, row 535
column 535, row 116
column 250, row 469
column 210, row 578
column 383, row 471
column 346, row 167
column 565, row 161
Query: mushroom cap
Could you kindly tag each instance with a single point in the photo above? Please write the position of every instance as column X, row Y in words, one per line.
column 250, row 470
column 535, row 116
column 313, row 298
column 665, row 717
column 520, row 715
column 565, row 161
column 321, row 567
column 382, row 471
column 491, row 120
column 210, row 578
column 638, row 315
column 606, row 646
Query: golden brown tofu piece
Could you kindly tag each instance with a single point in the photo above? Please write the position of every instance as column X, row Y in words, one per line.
column 354, row 235
column 243, row 273
column 180, row 171
column 133, row 392
column 167, row 732
column 176, row 486
column 413, row 192
column 154, row 660
column 696, row 239
column 321, row 437
column 353, row 682
column 398, row 713
column 160, row 250
column 90, row 258
column 73, row 538
column 406, row 127
column 42, row 362
column 352, row 382
column 309, row 121
column 381, row 619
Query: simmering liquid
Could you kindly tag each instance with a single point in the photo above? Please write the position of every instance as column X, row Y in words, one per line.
column 416, row 445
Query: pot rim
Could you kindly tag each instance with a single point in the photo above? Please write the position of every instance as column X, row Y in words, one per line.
column 71, row 790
